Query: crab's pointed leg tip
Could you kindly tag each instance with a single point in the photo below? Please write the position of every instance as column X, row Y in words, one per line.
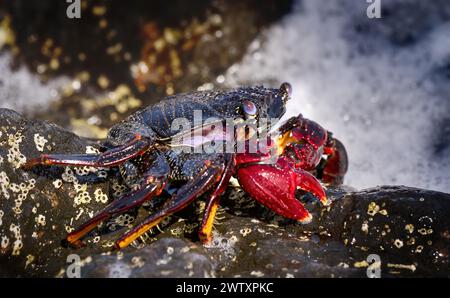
column 123, row 242
column 72, row 244
column 306, row 219
column 118, row 245
column 29, row 164
column 206, row 240
column 324, row 200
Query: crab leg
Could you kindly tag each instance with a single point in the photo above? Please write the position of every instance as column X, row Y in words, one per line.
column 152, row 185
column 185, row 195
column 132, row 200
column 213, row 203
column 109, row 158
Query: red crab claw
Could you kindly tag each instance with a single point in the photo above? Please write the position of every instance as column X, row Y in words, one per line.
column 274, row 186
column 336, row 165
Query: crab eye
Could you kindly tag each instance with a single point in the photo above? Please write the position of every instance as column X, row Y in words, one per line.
column 286, row 89
column 249, row 109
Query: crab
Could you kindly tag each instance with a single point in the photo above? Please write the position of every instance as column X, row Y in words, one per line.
column 146, row 148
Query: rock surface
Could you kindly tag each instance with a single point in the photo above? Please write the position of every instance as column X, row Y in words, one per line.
column 407, row 228
column 37, row 207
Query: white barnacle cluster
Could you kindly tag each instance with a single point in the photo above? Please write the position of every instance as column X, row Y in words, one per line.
column 82, row 195
column 4, row 185
column 15, row 157
column 40, row 220
column 40, row 142
column 137, row 262
column 118, row 189
column 69, row 228
column 92, row 150
column 100, row 196
column 21, row 190
column 17, row 244
column 409, row 228
column 30, row 259
column 83, row 171
column 365, row 227
column 1, row 217
column 4, row 243
column 177, row 231
column 57, row 183
column 398, row 243
column 373, row 208
column 123, row 220
column 35, row 208
column 245, row 231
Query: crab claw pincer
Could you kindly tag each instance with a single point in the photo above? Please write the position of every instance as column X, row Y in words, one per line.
column 274, row 186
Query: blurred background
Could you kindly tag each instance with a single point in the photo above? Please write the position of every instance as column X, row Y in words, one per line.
column 381, row 85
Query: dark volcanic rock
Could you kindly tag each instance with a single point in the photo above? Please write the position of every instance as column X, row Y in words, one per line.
column 407, row 228
column 167, row 257
column 37, row 208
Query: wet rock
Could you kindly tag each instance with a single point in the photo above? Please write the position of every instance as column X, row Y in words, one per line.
column 38, row 207
column 403, row 228
column 168, row 257
column 406, row 229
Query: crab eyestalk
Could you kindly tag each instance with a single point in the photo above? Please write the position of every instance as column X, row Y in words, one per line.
column 286, row 88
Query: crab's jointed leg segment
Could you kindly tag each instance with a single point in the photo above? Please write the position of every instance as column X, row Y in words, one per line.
column 153, row 183
column 185, row 195
column 151, row 189
column 213, row 202
column 112, row 157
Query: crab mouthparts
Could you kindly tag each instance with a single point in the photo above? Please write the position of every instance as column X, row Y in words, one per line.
column 283, row 140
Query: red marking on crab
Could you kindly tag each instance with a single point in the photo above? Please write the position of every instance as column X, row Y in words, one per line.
column 301, row 145
column 274, row 186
